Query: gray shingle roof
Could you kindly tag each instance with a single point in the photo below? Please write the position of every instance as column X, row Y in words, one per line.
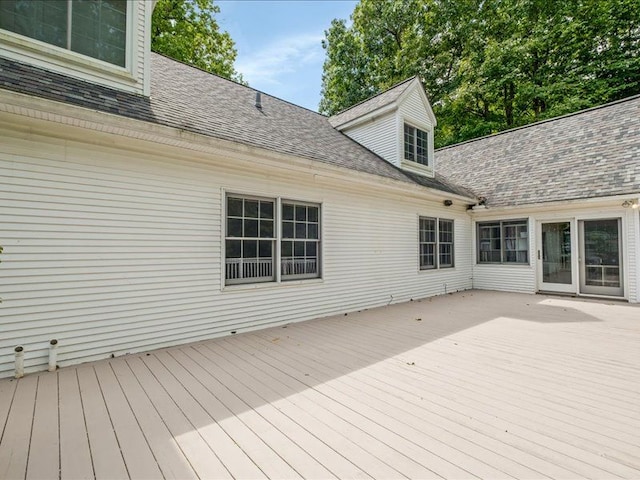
column 191, row 99
column 371, row 104
column 594, row 153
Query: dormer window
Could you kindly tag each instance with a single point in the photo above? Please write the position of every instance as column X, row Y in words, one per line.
column 96, row 28
column 416, row 145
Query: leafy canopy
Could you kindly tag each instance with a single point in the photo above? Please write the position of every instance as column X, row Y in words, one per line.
column 187, row 30
column 487, row 65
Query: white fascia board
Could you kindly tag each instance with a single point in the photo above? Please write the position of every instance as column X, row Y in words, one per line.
column 607, row 201
column 249, row 157
column 369, row 117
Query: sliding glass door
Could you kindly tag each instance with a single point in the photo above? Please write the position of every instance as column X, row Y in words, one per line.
column 601, row 255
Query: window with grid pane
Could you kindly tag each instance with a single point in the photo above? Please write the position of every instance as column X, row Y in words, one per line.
column 427, row 243
column 300, row 244
column 96, row 28
column 503, row 242
column 416, row 145
column 445, row 243
column 250, row 240
column 436, row 243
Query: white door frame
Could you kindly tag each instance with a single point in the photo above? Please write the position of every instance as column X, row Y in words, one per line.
column 616, row 292
column 571, row 288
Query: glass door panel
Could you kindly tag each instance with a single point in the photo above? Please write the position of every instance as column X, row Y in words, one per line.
column 601, row 271
column 556, row 271
column 556, row 253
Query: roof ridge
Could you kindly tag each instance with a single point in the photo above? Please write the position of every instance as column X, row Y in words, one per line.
column 373, row 96
column 540, row 122
column 237, row 83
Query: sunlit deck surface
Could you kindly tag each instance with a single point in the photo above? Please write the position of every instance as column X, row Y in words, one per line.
column 475, row 384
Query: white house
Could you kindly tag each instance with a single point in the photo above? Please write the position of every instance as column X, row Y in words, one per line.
column 146, row 203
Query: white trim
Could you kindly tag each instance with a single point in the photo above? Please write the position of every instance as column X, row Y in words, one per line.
column 413, row 166
column 369, row 117
column 67, row 62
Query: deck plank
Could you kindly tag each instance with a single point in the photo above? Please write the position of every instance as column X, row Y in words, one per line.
column 136, row 452
column 7, row 391
column 105, row 449
column 171, row 459
column 286, row 461
column 472, row 385
column 14, row 448
column 44, row 462
column 273, row 413
column 199, row 453
column 75, row 451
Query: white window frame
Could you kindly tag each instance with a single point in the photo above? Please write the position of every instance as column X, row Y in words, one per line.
column 437, row 243
column 278, row 276
column 59, row 59
column 517, row 241
column 414, row 145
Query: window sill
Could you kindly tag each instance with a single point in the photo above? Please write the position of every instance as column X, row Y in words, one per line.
column 517, row 265
column 441, row 269
column 61, row 60
column 244, row 287
column 418, row 168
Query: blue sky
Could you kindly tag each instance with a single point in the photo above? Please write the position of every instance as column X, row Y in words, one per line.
column 279, row 43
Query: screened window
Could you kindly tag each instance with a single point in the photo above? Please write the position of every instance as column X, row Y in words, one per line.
column 252, row 237
column 416, row 145
column 300, row 240
column 250, row 240
column 503, row 242
column 96, row 28
column 436, row 243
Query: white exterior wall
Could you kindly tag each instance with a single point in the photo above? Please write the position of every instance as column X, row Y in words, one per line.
column 523, row 278
column 113, row 251
column 132, row 78
column 412, row 110
column 380, row 136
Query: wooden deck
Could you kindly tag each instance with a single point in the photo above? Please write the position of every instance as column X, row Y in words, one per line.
column 476, row 384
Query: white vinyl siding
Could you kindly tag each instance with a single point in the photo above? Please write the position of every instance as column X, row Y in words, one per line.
column 112, row 251
column 378, row 136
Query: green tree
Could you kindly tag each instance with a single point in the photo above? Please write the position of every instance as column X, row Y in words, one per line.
column 488, row 65
column 187, row 30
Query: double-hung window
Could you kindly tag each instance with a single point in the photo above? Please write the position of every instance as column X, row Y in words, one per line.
column 264, row 232
column 503, row 242
column 416, row 145
column 436, row 243
column 96, row 28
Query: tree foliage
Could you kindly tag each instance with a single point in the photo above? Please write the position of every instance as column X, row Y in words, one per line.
column 187, row 30
column 487, row 65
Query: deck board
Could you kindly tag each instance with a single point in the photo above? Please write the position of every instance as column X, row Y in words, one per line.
column 44, row 464
column 75, row 451
column 470, row 385
column 14, row 449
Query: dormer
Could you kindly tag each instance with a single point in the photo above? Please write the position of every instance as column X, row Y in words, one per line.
column 396, row 124
column 107, row 42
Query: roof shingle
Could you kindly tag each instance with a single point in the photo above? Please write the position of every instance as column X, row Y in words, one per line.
column 188, row 98
column 370, row 104
column 594, row 153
